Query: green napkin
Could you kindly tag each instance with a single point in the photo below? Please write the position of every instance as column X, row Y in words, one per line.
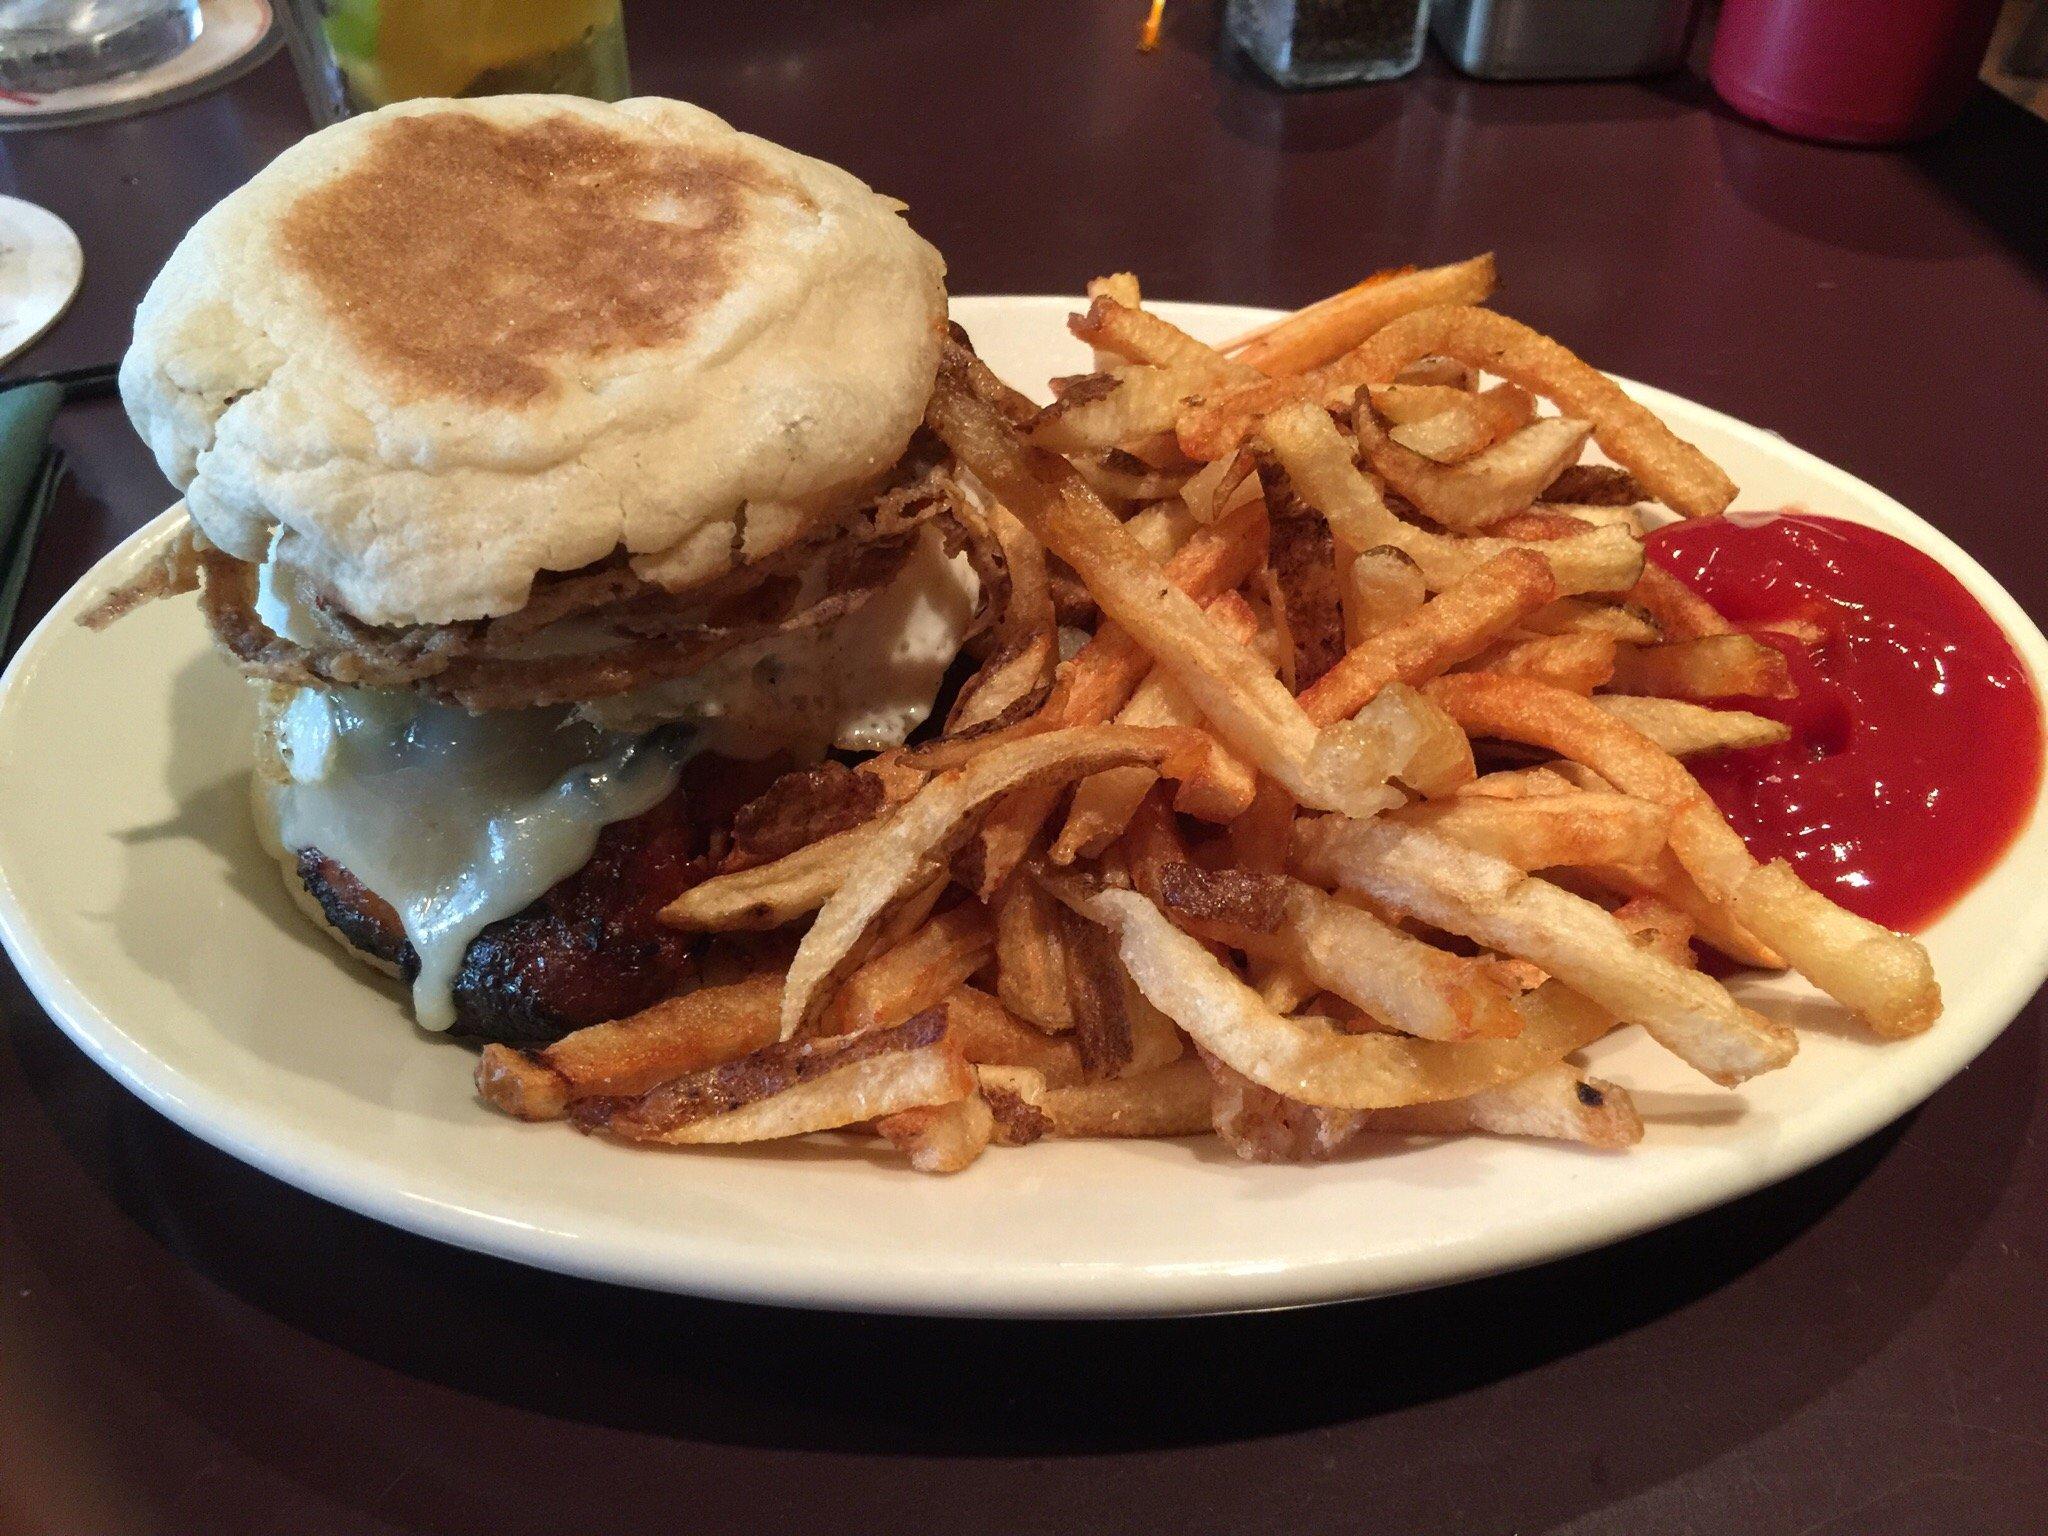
column 28, row 478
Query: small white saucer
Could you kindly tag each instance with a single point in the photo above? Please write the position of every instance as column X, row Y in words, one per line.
column 41, row 266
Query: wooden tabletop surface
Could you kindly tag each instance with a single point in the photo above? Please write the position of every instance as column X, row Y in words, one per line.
column 189, row 1347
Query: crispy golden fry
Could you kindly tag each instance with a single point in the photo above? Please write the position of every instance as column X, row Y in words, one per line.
column 941, row 1138
column 1313, row 1062
column 1140, row 336
column 1097, row 682
column 1495, row 904
column 1248, row 708
column 1106, row 410
column 1123, row 288
column 1468, row 425
column 769, row 895
column 1404, row 405
column 1332, row 326
column 1221, row 791
column 1678, row 612
column 1518, row 784
column 1318, row 461
column 1415, row 987
column 1217, row 488
column 1664, row 879
column 988, row 1034
column 1172, row 1100
column 1557, row 1103
column 912, row 848
column 792, row 1089
column 915, row 974
column 1381, row 587
column 1689, row 730
column 1459, row 623
column 1670, row 469
column 1885, row 977
column 1658, row 925
column 630, row 1056
column 1126, row 477
column 1482, row 489
column 1579, row 662
column 1578, row 616
column 1711, row 667
column 1548, row 831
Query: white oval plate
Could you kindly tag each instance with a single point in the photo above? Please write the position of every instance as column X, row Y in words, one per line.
column 137, row 904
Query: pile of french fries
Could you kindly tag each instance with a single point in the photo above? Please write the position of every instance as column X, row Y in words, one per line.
column 1358, row 808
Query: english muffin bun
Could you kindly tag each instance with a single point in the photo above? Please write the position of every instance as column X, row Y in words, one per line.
column 448, row 345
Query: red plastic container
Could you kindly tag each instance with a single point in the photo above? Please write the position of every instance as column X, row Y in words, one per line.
column 1851, row 71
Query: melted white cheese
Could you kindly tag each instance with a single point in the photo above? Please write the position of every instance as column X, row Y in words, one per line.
column 456, row 819
column 459, row 820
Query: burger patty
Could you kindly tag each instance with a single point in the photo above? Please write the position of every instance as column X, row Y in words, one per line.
column 592, row 948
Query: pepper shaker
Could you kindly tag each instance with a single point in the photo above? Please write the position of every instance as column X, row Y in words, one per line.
column 1329, row 42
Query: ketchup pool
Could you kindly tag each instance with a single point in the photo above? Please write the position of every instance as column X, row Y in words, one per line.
column 1916, row 747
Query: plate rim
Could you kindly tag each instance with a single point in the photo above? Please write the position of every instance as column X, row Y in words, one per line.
column 1041, row 1289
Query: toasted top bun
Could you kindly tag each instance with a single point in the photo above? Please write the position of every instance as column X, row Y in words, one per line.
column 444, row 346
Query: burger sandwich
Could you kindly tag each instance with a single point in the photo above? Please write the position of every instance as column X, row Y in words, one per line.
column 547, row 463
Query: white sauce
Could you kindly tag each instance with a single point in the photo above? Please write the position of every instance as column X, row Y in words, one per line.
column 459, row 820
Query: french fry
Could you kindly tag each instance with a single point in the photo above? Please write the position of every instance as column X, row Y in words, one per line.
column 1517, row 784
column 1455, row 626
column 793, row 1089
column 1670, row 469
column 1691, row 730
column 1221, row 792
column 1678, row 612
column 1493, row 903
column 1580, row 662
column 1579, row 616
column 1168, row 1101
column 1106, row 410
column 1098, row 681
column 1664, row 879
column 1556, row 1103
column 914, row 975
column 1123, row 287
column 1312, row 1062
column 912, row 848
column 1317, row 459
column 1711, row 667
column 988, row 1034
column 1548, row 831
column 1333, row 326
column 1467, row 426
column 1124, row 476
column 941, row 1138
column 769, row 895
column 1381, row 587
column 1140, row 336
column 1482, row 489
column 630, row 1056
column 1882, row 976
column 1247, row 707
column 1415, row 987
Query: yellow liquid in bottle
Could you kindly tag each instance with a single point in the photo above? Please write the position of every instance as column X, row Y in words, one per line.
column 407, row 48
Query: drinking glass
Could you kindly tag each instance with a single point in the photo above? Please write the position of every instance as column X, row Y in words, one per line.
column 355, row 55
column 53, row 45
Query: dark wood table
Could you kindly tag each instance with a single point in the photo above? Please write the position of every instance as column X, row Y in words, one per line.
column 189, row 1347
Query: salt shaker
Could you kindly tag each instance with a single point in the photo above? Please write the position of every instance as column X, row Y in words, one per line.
column 1329, row 42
